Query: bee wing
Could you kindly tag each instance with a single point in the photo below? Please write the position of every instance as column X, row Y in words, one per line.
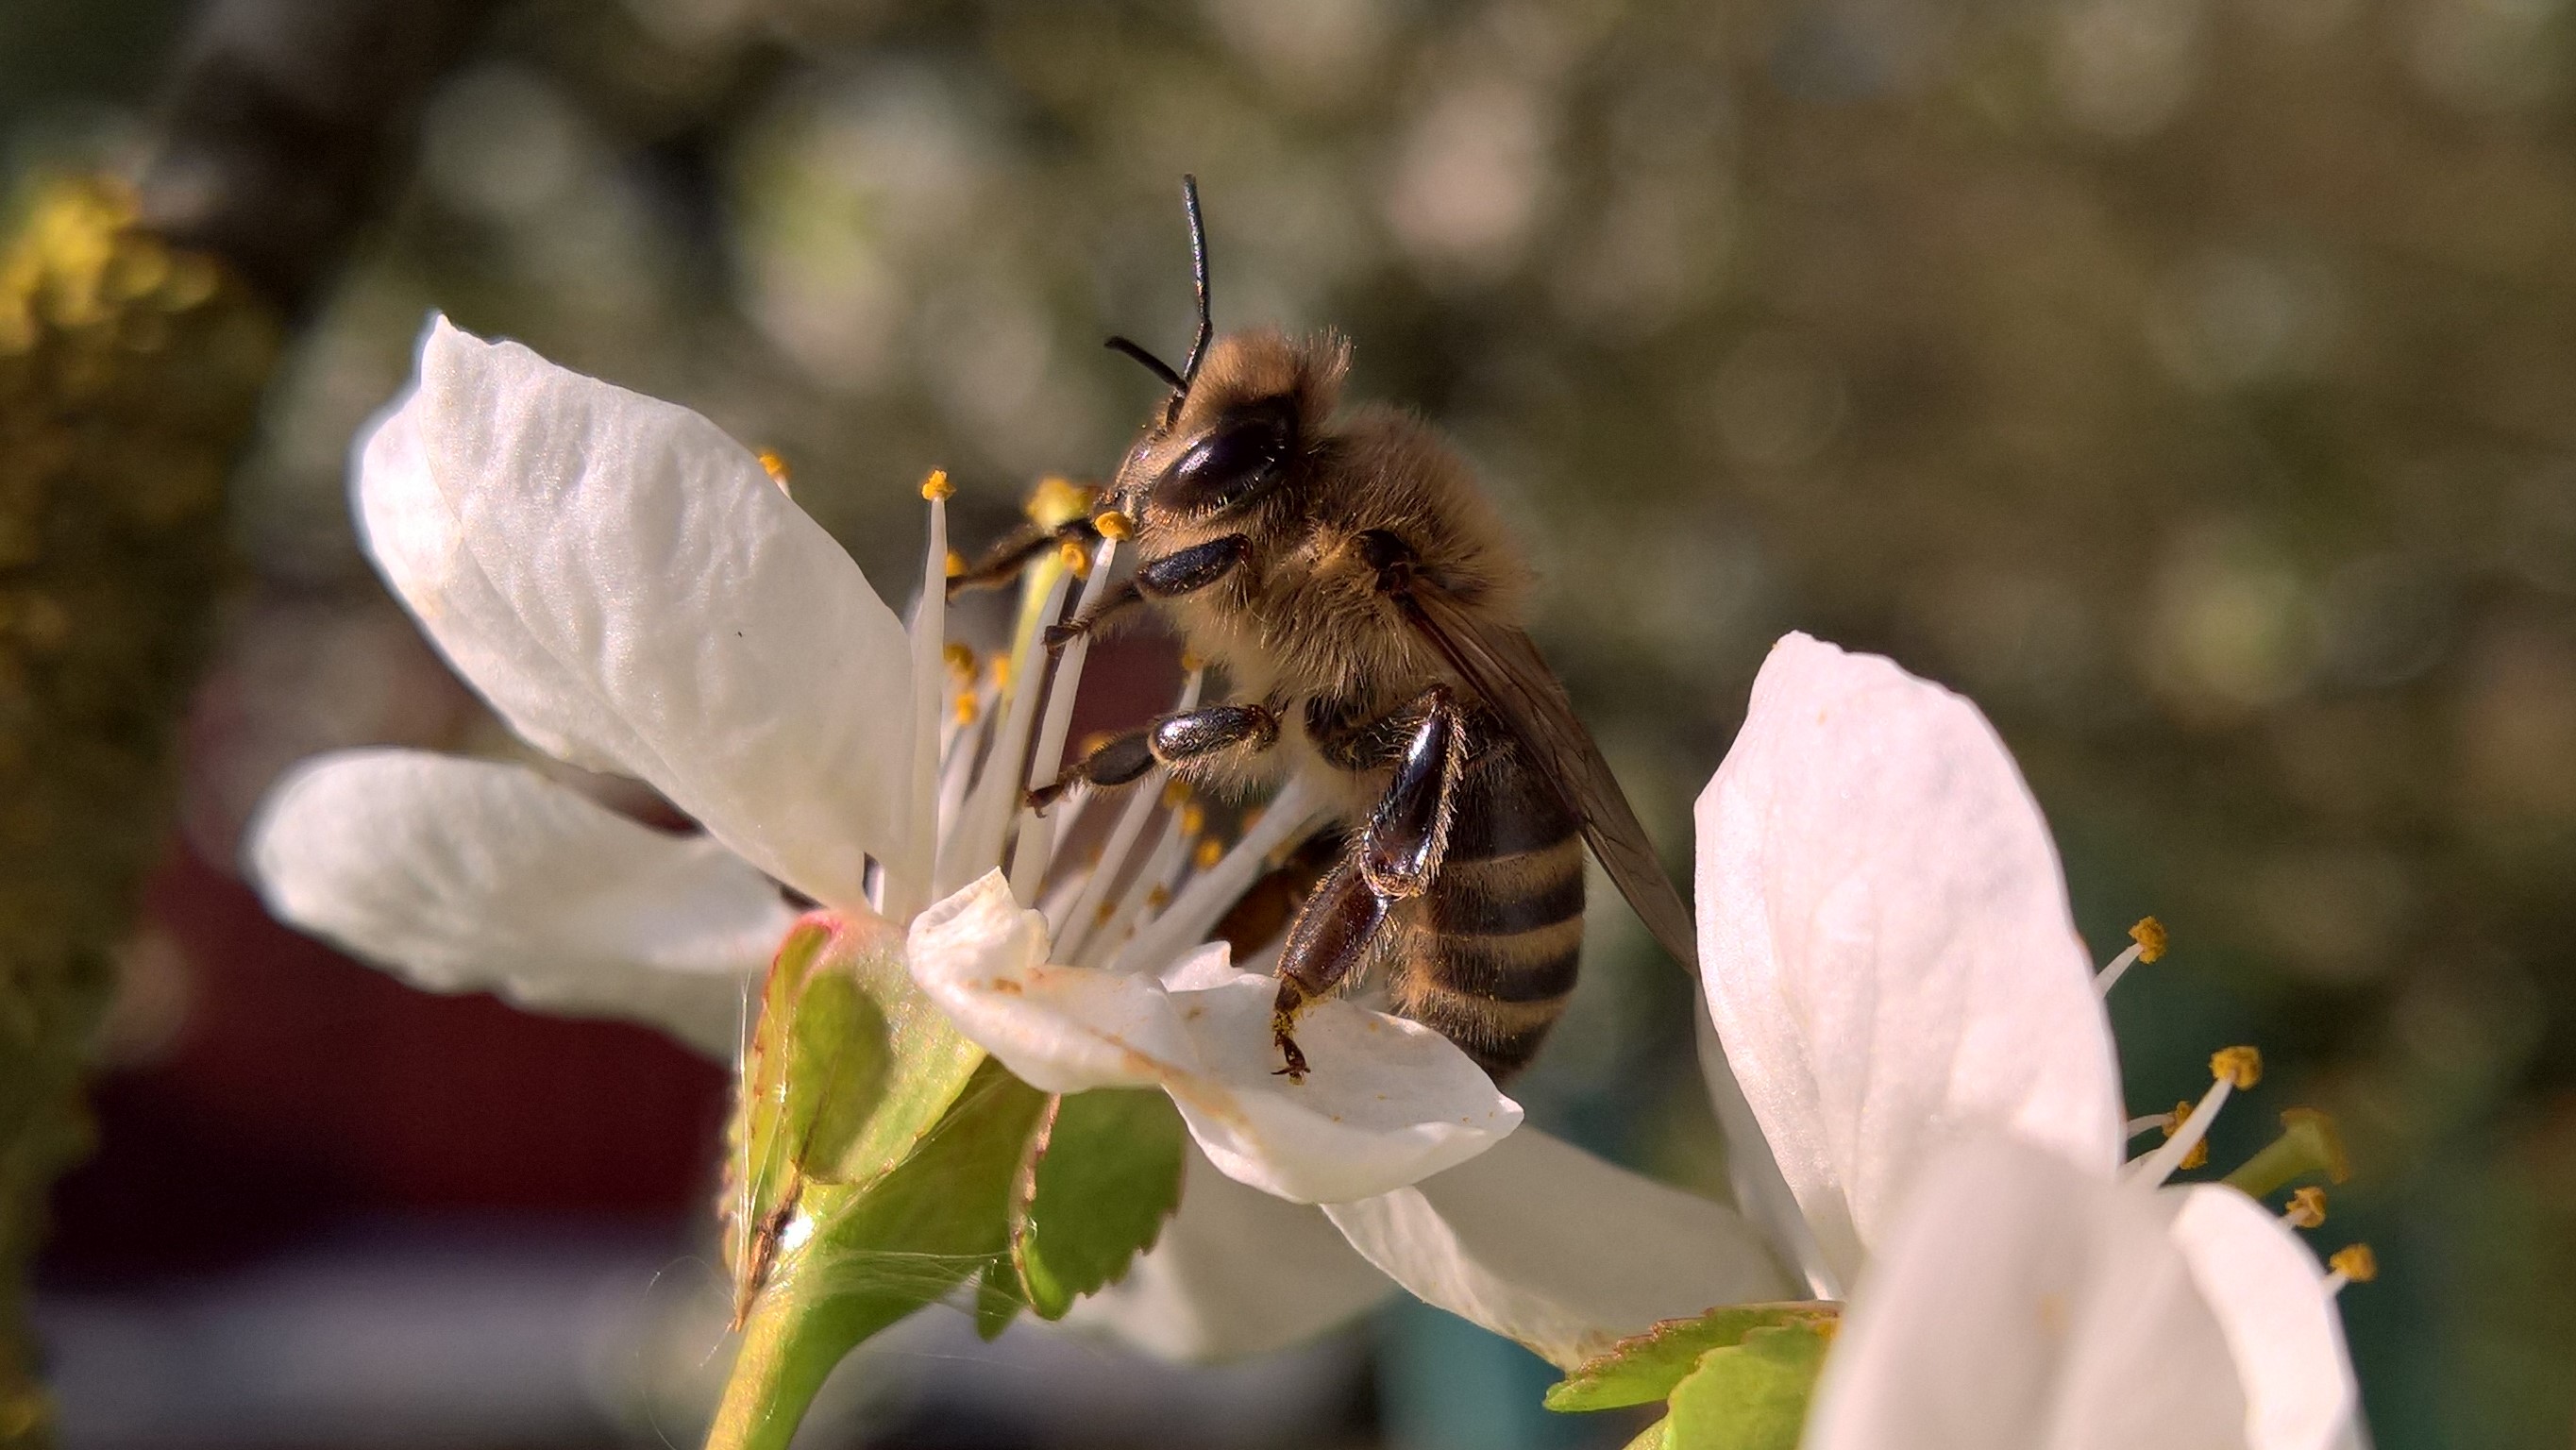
column 1500, row 663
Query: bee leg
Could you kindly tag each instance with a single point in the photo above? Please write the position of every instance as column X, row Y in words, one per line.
column 1122, row 597
column 1188, row 570
column 1392, row 860
column 1328, row 941
column 1171, row 740
column 1005, row 560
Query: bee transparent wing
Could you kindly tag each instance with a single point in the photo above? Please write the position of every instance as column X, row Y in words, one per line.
column 1500, row 663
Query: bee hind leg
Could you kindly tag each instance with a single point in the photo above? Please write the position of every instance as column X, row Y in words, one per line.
column 1394, row 859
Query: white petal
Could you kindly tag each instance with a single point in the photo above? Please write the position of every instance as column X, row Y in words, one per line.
column 463, row 876
column 1545, row 1244
column 2021, row 1302
column 1235, row 1272
column 2270, row 1299
column 1886, row 944
column 626, row 586
column 1388, row 1102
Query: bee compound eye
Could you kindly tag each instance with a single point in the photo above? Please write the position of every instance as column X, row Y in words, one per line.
column 1241, row 458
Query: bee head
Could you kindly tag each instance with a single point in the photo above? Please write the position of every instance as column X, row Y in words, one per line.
column 1240, row 410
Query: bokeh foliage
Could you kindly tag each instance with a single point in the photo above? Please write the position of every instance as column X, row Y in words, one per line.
column 2186, row 380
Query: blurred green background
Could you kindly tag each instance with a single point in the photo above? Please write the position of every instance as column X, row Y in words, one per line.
column 2187, row 381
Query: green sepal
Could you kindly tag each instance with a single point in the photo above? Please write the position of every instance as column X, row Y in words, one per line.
column 849, row 1067
column 1751, row 1395
column 872, row 1253
column 1647, row 1366
column 1101, row 1173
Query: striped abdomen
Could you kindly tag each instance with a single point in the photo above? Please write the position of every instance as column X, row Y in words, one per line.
column 1488, row 955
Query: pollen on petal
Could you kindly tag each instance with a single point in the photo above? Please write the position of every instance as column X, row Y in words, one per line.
column 935, row 485
column 2355, row 1262
column 2306, row 1209
column 2149, row 934
column 2239, row 1067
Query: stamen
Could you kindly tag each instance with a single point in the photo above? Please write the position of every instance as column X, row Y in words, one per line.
column 776, row 468
column 1112, row 525
column 2308, row 1146
column 1058, row 501
column 1195, row 911
column 2167, row 1121
column 961, row 661
column 1036, row 846
column 907, row 880
column 955, row 565
column 1092, row 909
column 2306, row 1209
column 2174, row 1121
column 2233, row 1068
column 975, row 844
column 2352, row 1264
column 2147, row 943
column 1208, row 852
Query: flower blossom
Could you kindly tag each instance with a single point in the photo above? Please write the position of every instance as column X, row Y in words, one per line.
column 632, row 592
column 1892, row 968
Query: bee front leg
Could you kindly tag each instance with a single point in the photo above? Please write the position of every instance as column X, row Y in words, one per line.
column 1174, row 740
column 1394, row 859
column 1006, row 560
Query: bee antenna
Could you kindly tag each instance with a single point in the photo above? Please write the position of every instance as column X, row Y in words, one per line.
column 1198, row 277
column 1159, row 368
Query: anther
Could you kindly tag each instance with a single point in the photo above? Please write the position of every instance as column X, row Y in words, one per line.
column 1112, row 525
column 2174, row 1120
column 776, row 468
column 1075, row 557
column 1058, row 501
column 2306, row 1209
column 2352, row 1264
column 965, row 708
column 2239, row 1067
column 1207, row 853
column 2147, row 942
column 1193, row 820
column 954, row 566
column 935, row 486
column 960, row 658
column 1175, row 794
column 1002, row 672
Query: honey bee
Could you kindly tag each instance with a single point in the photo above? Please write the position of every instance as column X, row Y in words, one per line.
column 1365, row 603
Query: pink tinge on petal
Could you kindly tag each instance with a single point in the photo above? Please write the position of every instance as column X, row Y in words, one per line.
column 1388, row 1101
column 1886, row 947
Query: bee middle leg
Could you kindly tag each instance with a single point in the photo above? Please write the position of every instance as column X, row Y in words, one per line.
column 1393, row 859
column 1174, row 740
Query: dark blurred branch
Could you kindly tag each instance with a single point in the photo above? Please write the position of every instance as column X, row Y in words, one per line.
column 138, row 329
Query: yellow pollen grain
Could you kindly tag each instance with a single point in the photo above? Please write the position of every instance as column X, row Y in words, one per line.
column 775, row 467
column 1001, row 672
column 2149, row 934
column 2355, row 1262
column 935, row 485
column 2239, row 1067
column 960, row 658
column 2307, row 1208
column 1058, row 501
column 1076, row 558
column 964, row 709
column 1193, row 819
column 1175, row 793
column 1112, row 525
column 1207, row 854
column 2199, row 1153
column 1158, row 898
column 955, row 564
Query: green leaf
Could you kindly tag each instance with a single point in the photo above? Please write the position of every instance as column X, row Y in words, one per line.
column 850, row 1065
column 1752, row 1395
column 1102, row 1172
column 855, row 1258
column 997, row 1300
column 1644, row 1367
column 1657, row 1436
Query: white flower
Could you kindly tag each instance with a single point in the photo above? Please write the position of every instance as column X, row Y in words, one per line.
column 1893, row 972
column 632, row 592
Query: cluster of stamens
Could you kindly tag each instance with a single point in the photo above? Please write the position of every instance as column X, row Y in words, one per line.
column 1155, row 879
column 2307, row 1147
